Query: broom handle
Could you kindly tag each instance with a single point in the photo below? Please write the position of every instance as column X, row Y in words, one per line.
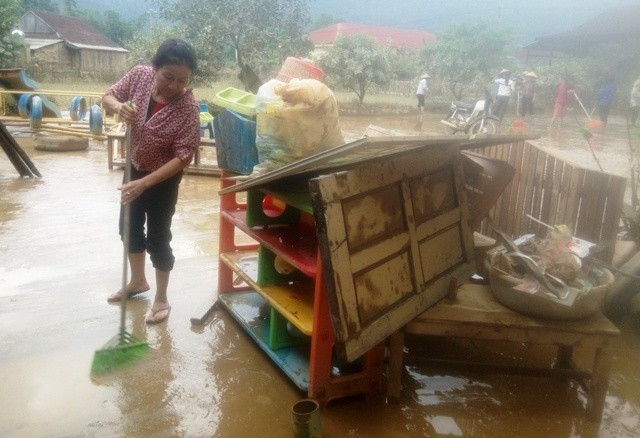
column 583, row 108
column 125, row 233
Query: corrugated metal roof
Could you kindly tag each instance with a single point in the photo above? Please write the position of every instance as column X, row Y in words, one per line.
column 392, row 36
column 75, row 31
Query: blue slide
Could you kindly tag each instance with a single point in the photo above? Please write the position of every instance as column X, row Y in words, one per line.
column 17, row 79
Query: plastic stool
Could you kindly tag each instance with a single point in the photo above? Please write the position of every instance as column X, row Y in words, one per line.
column 206, row 120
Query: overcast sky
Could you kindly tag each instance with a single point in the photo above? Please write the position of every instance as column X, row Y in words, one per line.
column 528, row 18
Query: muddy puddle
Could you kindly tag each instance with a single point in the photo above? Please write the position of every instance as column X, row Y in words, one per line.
column 60, row 257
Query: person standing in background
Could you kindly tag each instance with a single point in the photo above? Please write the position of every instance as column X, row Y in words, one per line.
column 421, row 92
column 505, row 88
column 563, row 92
column 528, row 91
column 606, row 97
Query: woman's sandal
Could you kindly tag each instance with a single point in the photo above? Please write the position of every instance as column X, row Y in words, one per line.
column 150, row 317
column 117, row 296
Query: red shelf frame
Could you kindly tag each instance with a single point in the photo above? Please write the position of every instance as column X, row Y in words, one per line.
column 297, row 244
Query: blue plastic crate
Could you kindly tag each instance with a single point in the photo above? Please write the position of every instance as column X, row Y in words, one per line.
column 235, row 142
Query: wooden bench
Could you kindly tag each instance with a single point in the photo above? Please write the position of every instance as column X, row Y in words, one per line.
column 116, row 154
column 115, row 149
column 198, row 166
column 475, row 314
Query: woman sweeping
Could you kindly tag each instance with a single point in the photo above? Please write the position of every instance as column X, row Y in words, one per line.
column 163, row 116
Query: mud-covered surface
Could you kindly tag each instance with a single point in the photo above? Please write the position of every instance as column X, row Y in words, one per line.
column 60, row 257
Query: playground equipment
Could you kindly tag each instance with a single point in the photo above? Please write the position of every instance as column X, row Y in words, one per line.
column 43, row 114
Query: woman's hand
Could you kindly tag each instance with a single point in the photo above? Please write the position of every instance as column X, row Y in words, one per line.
column 131, row 190
column 127, row 112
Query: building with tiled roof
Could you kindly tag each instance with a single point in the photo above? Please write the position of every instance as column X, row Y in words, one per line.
column 398, row 38
column 70, row 45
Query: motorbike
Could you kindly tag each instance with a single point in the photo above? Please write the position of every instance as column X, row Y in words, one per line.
column 472, row 119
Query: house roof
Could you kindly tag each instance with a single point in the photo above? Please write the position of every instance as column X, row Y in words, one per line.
column 392, row 36
column 38, row 43
column 618, row 24
column 74, row 31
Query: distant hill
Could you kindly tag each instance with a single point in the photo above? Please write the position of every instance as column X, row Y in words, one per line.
column 526, row 18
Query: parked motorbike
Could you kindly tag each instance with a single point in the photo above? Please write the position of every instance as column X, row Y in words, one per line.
column 472, row 119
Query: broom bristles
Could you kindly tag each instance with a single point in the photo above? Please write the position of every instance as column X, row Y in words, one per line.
column 122, row 350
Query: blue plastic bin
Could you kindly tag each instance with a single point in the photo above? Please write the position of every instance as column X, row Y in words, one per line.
column 235, row 142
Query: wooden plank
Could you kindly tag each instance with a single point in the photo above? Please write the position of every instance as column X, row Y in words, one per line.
column 547, row 194
column 17, row 155
column 507, row 199
column 537, row 191
column 563, row 195
column 556, row 187
column 364, row 151
column 527, row 189
column 588, row 193
column 476, row 307
column 615, row 200
column 511, row 193
column 573, row 199
column 592, row 220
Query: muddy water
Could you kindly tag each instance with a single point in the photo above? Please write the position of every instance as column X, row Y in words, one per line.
column 60, row 257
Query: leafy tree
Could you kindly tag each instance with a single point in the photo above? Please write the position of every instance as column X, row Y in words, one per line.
column 259, row 33
column 117, row 29
column 11, row 46
column 8, row 16
column 71, row 8
column 466, row 55
column 144, row 42
column 38, row 5
column 357, row 62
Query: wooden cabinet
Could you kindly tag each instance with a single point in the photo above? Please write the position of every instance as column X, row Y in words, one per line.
column 321, row 264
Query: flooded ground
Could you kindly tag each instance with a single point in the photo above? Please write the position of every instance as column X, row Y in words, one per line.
column 60, row 257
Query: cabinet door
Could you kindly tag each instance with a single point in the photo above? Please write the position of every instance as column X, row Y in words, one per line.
column 392, row 234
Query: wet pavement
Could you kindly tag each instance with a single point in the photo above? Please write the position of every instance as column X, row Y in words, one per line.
column 60, row 257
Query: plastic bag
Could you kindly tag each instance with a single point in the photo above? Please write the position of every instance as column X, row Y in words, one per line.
column 294, row 120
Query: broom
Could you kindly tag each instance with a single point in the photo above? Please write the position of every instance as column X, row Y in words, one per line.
column 593, row 123
column 518, row 124
column 124, row 348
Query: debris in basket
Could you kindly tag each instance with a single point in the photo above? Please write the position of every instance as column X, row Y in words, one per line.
column 577, row 246
column 555, row 256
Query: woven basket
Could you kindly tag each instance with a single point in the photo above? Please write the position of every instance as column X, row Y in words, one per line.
column 294, row 68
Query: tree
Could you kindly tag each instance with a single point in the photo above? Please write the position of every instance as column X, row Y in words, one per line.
column 71, row 8
column 144, row 43
column 38, row 5
column 8, row 16
column 11, row 46
column 357, row 62
column 113, row 26
column 466, row 55
column 259, row 33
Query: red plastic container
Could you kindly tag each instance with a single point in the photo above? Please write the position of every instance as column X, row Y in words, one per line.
column 294, row 68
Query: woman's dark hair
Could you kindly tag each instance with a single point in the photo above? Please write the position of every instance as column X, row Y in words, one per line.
column 175, row 52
